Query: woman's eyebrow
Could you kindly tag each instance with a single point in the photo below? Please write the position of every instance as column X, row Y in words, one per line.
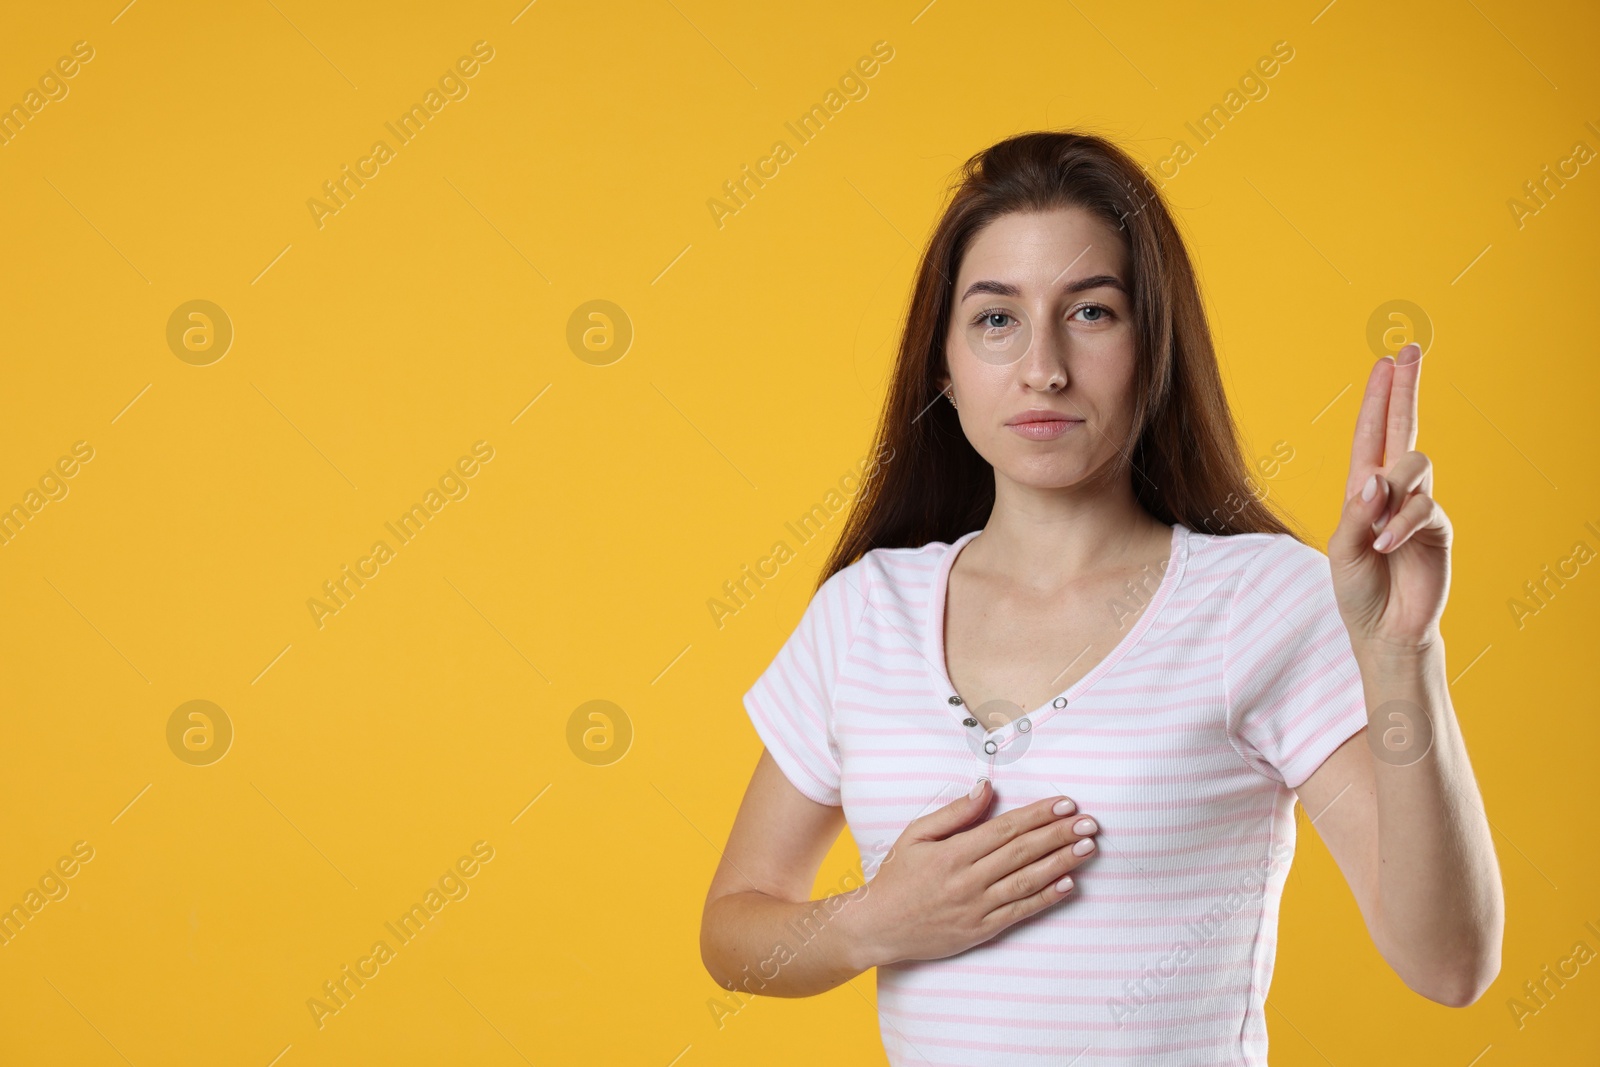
column 1094, row 281
column 1097, row 281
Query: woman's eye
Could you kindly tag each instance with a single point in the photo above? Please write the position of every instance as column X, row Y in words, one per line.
column 988, row 319
column 1095, row 313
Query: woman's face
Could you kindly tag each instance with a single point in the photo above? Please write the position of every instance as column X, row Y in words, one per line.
column 1041, row 322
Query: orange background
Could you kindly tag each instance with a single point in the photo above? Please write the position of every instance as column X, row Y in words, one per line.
column 435, row 709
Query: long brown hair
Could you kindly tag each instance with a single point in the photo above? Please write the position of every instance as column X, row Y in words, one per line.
column 1183, row 448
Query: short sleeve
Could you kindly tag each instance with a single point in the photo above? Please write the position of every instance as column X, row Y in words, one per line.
column 791, row 703
column 1293, row 687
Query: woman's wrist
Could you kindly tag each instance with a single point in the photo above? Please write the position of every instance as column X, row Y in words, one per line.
column 1381, row 659
column 863, row 947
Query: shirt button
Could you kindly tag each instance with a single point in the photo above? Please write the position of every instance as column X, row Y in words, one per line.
column 955, row 700
column 1024, row 725
column 990, row 747
column 969, row 722
column 1060, row 702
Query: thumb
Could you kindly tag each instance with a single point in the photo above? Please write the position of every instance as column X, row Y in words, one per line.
column 960, row 812
column 1353, row 536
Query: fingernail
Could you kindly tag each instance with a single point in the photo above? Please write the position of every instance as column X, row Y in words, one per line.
column 1064, row 885
column 1370, row 488
column 1064, row 807
column 1383, row 540
column 1084, row 847
column 1083, row 826
column 977, row 789
column 1404, row 359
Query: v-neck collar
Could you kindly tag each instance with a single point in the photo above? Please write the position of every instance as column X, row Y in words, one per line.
column 934, row 645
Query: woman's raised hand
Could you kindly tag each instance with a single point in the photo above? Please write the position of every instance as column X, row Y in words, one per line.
column 1390, row 555
column 945, row 887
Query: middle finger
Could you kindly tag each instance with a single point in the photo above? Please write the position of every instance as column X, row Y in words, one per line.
column 980, row 840
column 1020, row 851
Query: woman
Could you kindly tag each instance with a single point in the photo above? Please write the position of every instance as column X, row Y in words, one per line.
column 1066, row 674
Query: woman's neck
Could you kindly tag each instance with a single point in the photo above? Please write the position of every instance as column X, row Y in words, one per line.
column 1051, row 538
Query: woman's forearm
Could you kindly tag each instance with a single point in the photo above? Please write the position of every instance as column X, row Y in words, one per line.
column 1441, row 910
column 758, row 944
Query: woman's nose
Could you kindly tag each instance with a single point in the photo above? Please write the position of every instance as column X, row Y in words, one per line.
column 1046, row 358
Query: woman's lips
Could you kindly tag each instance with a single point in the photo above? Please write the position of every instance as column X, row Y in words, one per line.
column 1045, row 431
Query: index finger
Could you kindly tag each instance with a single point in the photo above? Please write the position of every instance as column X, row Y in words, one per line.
column 1366, row 451
column 984, row 838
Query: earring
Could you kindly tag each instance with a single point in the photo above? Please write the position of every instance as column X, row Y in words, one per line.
column 950, row 395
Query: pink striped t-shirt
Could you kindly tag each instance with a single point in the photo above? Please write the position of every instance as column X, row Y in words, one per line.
column 1184, row 743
